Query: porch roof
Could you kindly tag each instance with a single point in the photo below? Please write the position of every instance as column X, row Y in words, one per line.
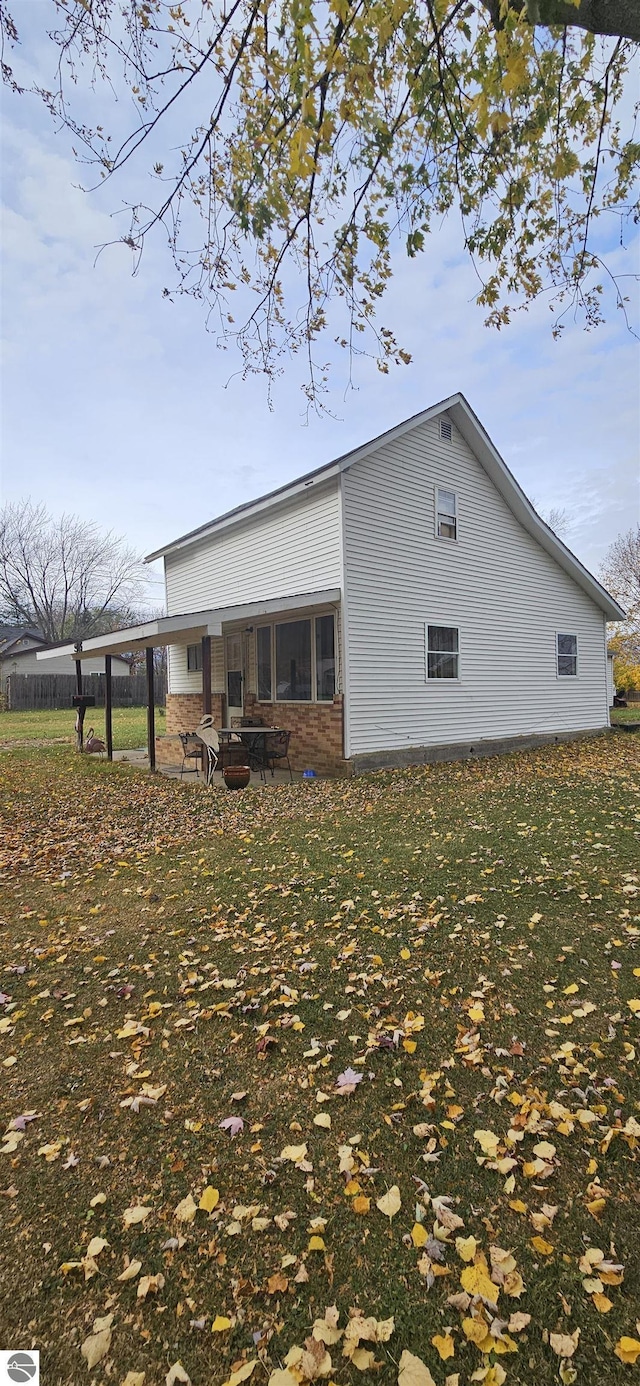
column 188, row 628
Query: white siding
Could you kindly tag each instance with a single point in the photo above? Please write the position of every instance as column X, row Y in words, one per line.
column 181, row 680
column 505, row 593
column 292, row 548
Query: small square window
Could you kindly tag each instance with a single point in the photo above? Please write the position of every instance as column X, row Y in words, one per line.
column 194, row 658
column 447, row 515
column 567, row 655
column 443, row 652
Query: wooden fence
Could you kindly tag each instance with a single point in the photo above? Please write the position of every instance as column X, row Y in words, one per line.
column 35, row 692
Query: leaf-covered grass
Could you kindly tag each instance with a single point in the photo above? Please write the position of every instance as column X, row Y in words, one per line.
column 129, row 726
column 465, row 937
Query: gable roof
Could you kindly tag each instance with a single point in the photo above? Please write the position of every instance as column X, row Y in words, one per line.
column 475, row 435
column 13, row 635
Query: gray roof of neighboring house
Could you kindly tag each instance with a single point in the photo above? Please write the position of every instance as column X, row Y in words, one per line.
column 13, row 635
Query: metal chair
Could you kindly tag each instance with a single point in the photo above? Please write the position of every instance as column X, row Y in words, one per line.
column 191, row 750
column 276, row 747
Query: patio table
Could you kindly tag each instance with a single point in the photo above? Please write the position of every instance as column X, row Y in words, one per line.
column 230, row 736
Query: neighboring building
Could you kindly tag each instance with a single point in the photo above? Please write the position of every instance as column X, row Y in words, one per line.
column 19, row 656
column 402, row 603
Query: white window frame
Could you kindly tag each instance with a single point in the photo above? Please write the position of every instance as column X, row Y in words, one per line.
column 198, row 666
column 574, row 636
column 445, row 625
column 293, row 620
column 446, row 538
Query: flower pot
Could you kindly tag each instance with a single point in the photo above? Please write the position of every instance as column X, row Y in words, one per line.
column 236, row 776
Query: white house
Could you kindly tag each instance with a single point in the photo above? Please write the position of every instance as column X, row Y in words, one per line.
column 402, row 603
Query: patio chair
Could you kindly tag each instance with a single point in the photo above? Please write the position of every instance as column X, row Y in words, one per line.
column 208, row 735
column 191, row 750
column 276, row 747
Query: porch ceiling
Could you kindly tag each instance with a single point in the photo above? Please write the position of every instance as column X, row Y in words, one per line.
column 188, row 628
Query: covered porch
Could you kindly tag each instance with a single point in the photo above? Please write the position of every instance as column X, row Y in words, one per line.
column 275, row 662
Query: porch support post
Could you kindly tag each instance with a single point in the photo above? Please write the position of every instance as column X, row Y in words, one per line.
column 80, row 710
column 151, row 712
column 206, row 675
column 108, row 718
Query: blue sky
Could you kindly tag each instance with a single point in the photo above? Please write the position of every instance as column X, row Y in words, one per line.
column 118, row 406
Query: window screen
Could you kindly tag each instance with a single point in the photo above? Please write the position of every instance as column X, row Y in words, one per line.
column 442, row 652
column 293, row 661
column 567, row 652
column 325, row 659
column 447, row 527
column 264, row 663
column 194, row 658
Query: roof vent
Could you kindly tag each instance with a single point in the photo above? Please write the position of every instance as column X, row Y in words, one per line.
column 445, row 429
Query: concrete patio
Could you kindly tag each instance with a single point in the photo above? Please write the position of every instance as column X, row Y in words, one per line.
column 139, row 759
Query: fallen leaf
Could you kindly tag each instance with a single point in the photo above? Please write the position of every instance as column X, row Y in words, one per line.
column 186, row 1210
column 564, row 1344
column 209, row 1199
column 444, row 1345
column 390, row 1203
column 412, row 1371
column 138, row 1213
column 628, row 1350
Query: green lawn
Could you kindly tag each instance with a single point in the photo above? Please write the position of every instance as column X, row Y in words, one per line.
column 625, row 714
column 460, row 941
column 129, row 726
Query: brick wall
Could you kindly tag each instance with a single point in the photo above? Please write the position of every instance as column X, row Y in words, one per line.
column 316, row 732
column 316, row 729
column 184, row 711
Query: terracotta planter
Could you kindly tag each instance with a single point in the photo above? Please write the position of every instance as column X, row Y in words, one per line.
column 236, row 776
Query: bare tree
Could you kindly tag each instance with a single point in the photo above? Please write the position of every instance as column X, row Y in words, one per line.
column 558, row 519
column 66, row 576
column 620, row 573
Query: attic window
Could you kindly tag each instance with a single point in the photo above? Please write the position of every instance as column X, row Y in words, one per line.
column 446, row 514
column 445, row 430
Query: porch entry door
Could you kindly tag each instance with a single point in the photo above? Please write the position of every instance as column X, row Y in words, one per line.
column 235, row 676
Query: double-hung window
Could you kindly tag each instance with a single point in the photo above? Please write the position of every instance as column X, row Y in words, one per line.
column 566, row 655
column 446, row 514
column 194, row 658
column 443, row 652
column 296, row 661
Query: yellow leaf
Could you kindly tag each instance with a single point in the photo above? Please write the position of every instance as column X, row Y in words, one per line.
column 542, row 1247
column 95, row 1347
column 405, row 954
column 409, row 1045
column 475, row 1280
column 517, row 1205
column 466, row 1248
column 444, row 1345
column 476, row 1013
column 220, row 1323
column 390, row 1203
column 475, row 1330
column 131, row 1271
column 322, row 1119
column 186, row 1209
column 603, row 1305
column 628, row 1350
column 131, row 1216
column 412, row 1371
column 419, row 1234
column 635, row 1007
column 134, row 1379
column 361, row 1204
column 209, row 1199
column 295, row 1153
column 242, row 1374
column 597, row 1206
column 488, row 1142
column 316, row 1244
